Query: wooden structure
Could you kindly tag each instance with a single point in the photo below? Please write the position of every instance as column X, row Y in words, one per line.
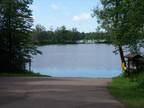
column 134, row 62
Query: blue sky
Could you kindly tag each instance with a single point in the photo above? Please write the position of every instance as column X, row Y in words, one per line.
column 71, row 13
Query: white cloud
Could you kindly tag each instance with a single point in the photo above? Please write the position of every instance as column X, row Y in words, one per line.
column 55, row 7
column 82, row 17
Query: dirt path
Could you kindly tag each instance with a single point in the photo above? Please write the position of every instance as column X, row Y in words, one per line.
column 56, row 93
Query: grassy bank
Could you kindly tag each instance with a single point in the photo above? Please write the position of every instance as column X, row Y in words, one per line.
column 21, row 74
column 130, row 91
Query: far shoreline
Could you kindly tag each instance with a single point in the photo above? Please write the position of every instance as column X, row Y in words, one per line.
column 46, row 44
column 22, row 74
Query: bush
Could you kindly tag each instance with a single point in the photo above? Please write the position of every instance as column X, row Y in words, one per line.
column 140, row 81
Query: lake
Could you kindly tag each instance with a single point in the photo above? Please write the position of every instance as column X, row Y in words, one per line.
column 78, row 60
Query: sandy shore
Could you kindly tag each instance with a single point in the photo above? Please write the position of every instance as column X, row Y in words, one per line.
column 20, row 92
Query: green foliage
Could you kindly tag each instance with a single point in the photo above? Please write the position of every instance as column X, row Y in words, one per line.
column 60, row 35
column 140, row 81
column 98, row 36
column 128, row 91
column 124, row 20
column 63, row 36
column 15, row 41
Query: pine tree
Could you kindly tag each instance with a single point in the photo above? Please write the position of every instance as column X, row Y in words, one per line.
column 15, row 41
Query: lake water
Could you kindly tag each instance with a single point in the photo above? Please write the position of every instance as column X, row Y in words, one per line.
column 78, row 60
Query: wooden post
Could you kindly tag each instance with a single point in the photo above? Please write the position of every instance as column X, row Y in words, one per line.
column 29, row 64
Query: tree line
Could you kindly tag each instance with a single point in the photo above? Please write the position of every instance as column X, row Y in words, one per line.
column 62, row 35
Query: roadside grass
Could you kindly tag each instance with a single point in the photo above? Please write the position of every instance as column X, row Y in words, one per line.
column 130, row 91
column 22, row 74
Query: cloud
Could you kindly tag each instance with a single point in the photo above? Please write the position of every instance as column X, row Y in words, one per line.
column 82, row 17
column 54, row 7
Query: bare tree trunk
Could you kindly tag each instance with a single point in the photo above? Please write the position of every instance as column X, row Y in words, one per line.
column 122, row 55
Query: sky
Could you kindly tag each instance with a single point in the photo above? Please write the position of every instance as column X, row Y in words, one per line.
column 70, row 13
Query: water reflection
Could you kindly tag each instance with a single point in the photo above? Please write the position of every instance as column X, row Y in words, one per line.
column 83, row 60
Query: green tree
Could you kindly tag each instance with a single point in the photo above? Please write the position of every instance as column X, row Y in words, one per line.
column 40, row 28
column 39, row 34
column 16, row 48
column 123, row 20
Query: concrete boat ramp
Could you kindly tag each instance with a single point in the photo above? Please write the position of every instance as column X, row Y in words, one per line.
column 43, row 92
